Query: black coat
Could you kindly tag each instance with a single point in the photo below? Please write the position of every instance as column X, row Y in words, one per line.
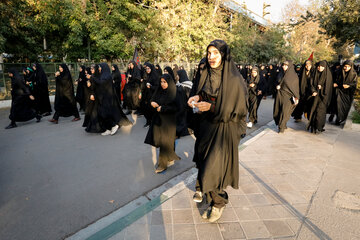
column 41, row 90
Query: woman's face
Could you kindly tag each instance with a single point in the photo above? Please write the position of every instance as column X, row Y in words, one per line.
column 148, row 69
column 285, row 67
column 99, row 69
column 92, row 70
column 81, row 69
column 308, row 65
column 214, row 57
column 320, row 68
column 61, row 69
column 10, row 74
column 131, row 65
column 347, row 68
column 34, row 67
column 113, row 68
column 165, row 71
column 164, row 84
column 254, row 73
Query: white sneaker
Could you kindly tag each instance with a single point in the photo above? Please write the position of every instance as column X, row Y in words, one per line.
column 107, row 132
column 114, row 129
column 249, row 124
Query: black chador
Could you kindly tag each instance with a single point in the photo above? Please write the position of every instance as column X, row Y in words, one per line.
column 347, row 82
column 307, row 73
column 162, row 130
column 256, row 88
column 21, row 98
column 218, row 130
column 321, row 89
column 152, row 83
column 65, row 104
column 41, row 91
column 91, row 122
column 332, row 109
column 287, row 95
column 80, row 90
column 116, row 76
column 183, row 88
column 132, row 88
column 108, row 115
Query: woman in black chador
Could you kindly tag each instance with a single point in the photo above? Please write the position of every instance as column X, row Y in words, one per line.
column 41, row 91
column 321, row 89
column 132, row 89
column 183, row 88
column 256, row 89
column 287, row 96
column 219, row 94
column 90, row 120
column 65, row 104
column 307, row 73
column 152, row 83
column 80, row 90
column 162, row 130
column 107, row 115
column 345, row 90
column 116, row 76
column 21, row 98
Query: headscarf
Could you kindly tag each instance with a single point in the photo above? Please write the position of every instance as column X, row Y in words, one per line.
column 116, row 75
column 303, row 77
column 135, row 72
column 289, row 80
column 82, row 75
column 231, row 102
column 66, row 72
column 183, row 77
column 97, row 73
column 105, row 74
column 153, row 77
column 348, row 77
column 170, row 72
column 159, row 70
column 40, row 74
column 324, row 79
column 165, row 96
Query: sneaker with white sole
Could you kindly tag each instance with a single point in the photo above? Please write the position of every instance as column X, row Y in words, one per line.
column 215, row 213
column 107, row 132
column 249, row 124
column 198, row 197
column 114, row 129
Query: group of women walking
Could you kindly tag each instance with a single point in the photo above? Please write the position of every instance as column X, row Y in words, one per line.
column 215, row 105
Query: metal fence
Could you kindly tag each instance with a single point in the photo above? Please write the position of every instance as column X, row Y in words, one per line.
column 51, row 68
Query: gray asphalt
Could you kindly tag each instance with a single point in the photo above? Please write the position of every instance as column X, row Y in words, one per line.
column 57, row 179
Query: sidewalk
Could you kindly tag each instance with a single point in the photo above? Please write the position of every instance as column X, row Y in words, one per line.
column 294, row 185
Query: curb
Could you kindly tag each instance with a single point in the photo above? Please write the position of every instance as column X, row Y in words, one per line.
column 118, row 220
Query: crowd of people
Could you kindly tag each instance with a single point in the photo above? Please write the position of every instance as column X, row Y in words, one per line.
column 216, row 105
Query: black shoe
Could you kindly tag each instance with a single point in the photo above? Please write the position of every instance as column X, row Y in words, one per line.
column 38, row 118
column 281, row 130
column 331, row 118
column 127, row 112
column 11, row 125
column 243, row 135
column 337, row 122
column 46, row 114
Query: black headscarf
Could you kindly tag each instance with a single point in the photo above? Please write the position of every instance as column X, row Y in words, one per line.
column 159, row 70
column 170, row 72
column 303, row 77
column 289, row 80
column 105, row 74
column 168, row 95
column 348, row 77
column 66, row 72
column 17, row 81
column 183, row 77
column 82, row 73
column 116, row 75
column 153, row 77
column 228, row 107
column 41, row 77
column 135, row 72
column 324, row 79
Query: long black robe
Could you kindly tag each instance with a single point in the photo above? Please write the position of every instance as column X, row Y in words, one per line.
column 132, row 88
column 41, row 90
column 65, row 104
column 305, row 80
column 289, row 89
column 154, row 80
column 219, row 130
column 107, row 105
column 80, row 90
column 91, row 122
column 254, row 99
column 116, row 76
column 317, row 116
column 335, row 71
column 21, row 106
column 183, row 88
column 162, row 131
column 344, row 97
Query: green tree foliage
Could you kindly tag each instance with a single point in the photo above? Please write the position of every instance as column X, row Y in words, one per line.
column 341, row 19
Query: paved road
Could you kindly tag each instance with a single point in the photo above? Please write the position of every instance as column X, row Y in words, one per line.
column 57, row 179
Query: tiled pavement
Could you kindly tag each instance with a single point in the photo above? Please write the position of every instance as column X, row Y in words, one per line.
column 279, row 176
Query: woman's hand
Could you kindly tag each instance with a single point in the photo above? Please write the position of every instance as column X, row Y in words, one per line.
column 203, row 106
column 92, row 98
column 154, row 104
column 278, row 87
column 346, row 86
column 314, row 94
column 193, row 98
column 32, row 97
column 88, row 84
column 158, row 109
column 335, row 85
column 88, row 76
column 252, row 85
column 319, row 86
column 57, row 74
column 259, row 92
